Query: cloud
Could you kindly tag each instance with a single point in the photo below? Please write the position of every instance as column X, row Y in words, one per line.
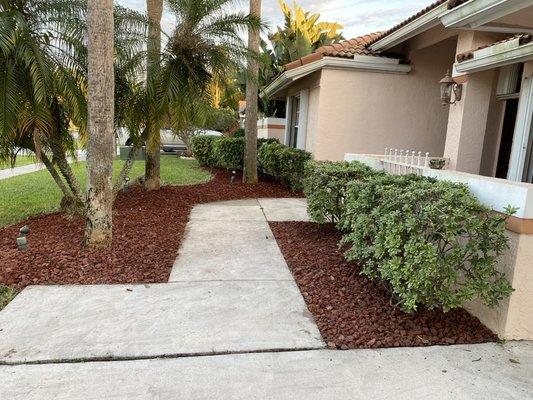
column 357, row 16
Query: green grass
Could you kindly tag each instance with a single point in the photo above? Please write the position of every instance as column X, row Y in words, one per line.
column 20, row 161
column 7, row 294
column 36, row 193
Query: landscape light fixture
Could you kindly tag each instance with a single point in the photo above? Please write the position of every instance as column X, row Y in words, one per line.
column 22, row 241
column 447, row 87
column 233, row 176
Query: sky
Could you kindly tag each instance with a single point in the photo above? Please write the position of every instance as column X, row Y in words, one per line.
column 358, row 17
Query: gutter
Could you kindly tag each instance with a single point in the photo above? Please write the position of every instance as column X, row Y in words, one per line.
column 358, row 63
column 475, row 13
column 496, row 56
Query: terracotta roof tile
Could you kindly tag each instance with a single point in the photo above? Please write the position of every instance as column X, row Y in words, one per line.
column 349, row 48
column 523, row 38
column 344, row 49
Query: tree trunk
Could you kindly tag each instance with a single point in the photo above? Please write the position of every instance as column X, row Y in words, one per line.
column 250, row 153
column 64, row 167
column 55, row 176
column 153, row 143
column 125, row 170
column 101, row 88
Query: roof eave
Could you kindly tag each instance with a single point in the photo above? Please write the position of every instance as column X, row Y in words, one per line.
column 419, row 25
column 496, row 59
column 475, row 13
column 360, row 63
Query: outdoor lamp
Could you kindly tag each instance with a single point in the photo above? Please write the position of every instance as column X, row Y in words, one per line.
column 22, row 241
column 447, row 86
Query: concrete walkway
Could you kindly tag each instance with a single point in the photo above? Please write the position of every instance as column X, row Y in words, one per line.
column 230, row 291
column 27, row 169
column 230, row 324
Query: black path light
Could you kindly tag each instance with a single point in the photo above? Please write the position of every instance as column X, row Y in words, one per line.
column 447, row 86
column 233, row 176
column 22, row 241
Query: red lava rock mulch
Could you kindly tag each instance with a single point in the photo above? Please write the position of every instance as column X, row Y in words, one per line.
column 353, row 312
column 147, row 231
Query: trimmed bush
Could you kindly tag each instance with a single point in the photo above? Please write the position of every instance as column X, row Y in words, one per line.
column 430, row 242
column 238, row 133
column 202, row 149
column 284, row 163
column 325, row 187
column 229, row 152
column 262, row 141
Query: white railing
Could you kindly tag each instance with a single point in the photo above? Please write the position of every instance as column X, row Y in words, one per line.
column 403, row 162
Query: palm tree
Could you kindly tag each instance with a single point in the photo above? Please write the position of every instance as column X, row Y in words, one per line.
column 42, row 70
column 152, row 166
column 43, row 78
column 250, row 153
column 101, row 91
column 206, row 43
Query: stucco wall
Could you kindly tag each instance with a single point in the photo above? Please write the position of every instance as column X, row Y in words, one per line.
column 364, row 112
column 513, row 318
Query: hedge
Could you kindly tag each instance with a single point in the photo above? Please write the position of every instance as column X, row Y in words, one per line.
column 222, row 151
column 284, row 163
column 325, row 187
column 229, row 152
column 202, row 149
column 431, row 243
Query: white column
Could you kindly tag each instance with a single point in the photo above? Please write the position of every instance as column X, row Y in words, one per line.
column 302, row 123
column 523, row 126
column 288, row 122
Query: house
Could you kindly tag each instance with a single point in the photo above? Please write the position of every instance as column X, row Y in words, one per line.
column 390, row 90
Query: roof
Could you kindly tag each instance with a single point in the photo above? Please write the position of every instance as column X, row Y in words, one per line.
column 432, row 6
column 344, row 49
column 523, row 38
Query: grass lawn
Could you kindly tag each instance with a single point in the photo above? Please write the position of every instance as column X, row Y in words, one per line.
column 21, row 160
column 6, row 295
column 36, row 193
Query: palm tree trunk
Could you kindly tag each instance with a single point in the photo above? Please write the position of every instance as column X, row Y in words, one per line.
column 125, row 170
column 153, row 144
column 55, row 176
column 101, row 87
column 64, row 167
column 250, row 153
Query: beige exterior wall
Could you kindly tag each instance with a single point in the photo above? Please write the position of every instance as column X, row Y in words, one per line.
column 271, row 128
column 470, row 119
column 364, row 112
column 513, row 319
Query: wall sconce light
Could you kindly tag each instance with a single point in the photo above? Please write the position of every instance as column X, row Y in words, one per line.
column 447, row 86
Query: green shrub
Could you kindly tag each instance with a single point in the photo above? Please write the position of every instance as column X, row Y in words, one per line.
column 238, row 133
column 229, row 152
column 7, row 293
column 202, row 149
column 325, row 187
column 430, row 242
column 284, row 163
column 262, row 141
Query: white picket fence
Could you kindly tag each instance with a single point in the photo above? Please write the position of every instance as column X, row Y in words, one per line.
column 403, row 162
